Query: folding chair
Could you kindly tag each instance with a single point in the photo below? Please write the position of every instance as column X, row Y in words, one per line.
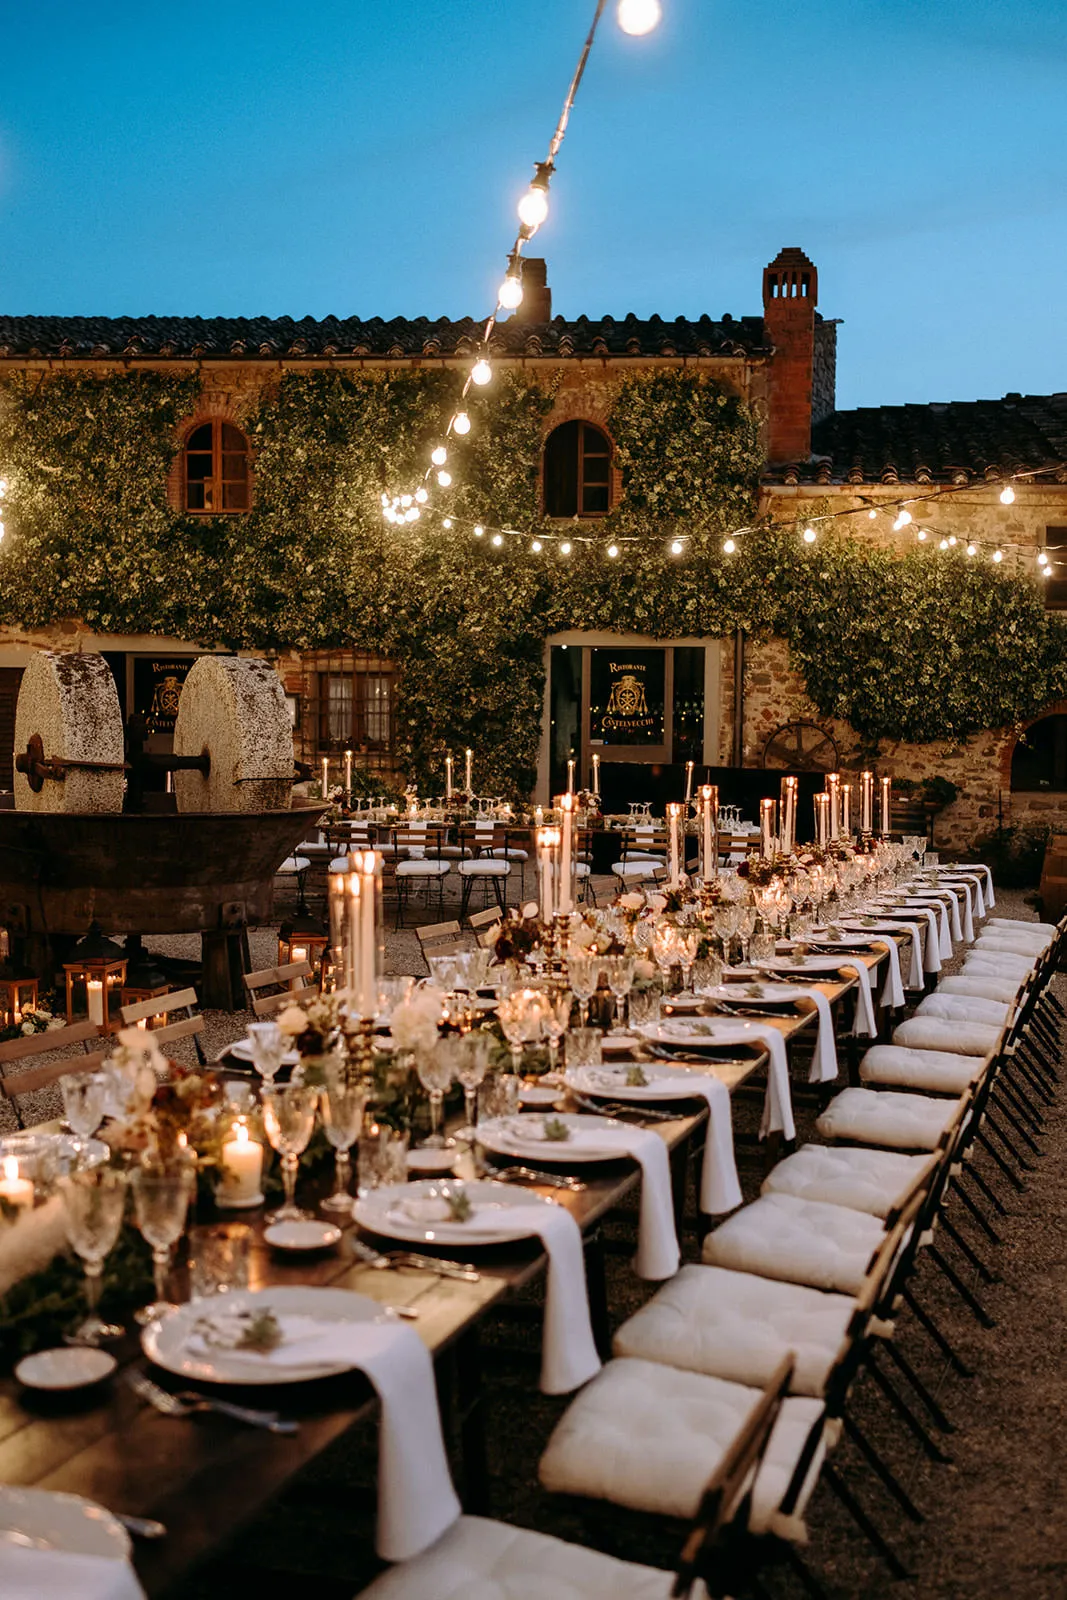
column 484, row 863
column 290, row 993
column 40, row 1044
column 420, row 863
column 188, row 1027
column 440, row 939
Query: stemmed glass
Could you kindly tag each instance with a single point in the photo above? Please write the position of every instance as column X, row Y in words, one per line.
column 665, row 952
column 84, row 1100
column 161, row 1196
column 620, row 982
column 342, row 1106
column 583, row 973
column 512, row 1015
column 288, row 1121
column 746, row 927
column 268, row 1048
column 94, row 1201
column 436, row 1069
column 555, row 1020
column 471, row 1067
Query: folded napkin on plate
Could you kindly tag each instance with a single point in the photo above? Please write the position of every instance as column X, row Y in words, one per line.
column 929, row 940
column 778, row 1101
column 62, row 1575
column 416, row 1500
column 719, row 1187
column 864, row 1019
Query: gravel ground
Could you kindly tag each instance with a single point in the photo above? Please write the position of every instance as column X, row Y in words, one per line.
column 994, row 1525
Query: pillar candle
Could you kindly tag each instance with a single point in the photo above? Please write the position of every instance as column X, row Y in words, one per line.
column 570, row 775
column 336, row 901
column 767, row 825
column 566, row 804
column 866, row 802
column 448, row 777
column 548, row 843
column 787, row 815
column 352, row 932
column 468, row 762
column 887, row 807
column 367, row 966
column 17, row 1191
column 241, row 1170
column 688, row 781
column 325, row 776
column 833, row 791
column 539, row 816
column 674, row 823
column 846, row 810
column 596, row 774
column 348, row 776
column 94, row 995
column 709, row 830
column 822, row 820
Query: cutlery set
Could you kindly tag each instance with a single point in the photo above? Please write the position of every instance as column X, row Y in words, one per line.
column 188, row 1402
column 383, row 1261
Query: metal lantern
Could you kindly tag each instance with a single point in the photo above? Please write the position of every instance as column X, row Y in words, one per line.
column 144, row 982
column 302, row 937
column 17, row 996
column 95, row 977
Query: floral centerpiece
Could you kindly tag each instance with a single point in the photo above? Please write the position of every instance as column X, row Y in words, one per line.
column 176, row 1119
column 40, row 1020
column 316, row 1032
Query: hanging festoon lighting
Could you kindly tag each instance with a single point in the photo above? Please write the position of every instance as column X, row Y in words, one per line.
column 639, row 16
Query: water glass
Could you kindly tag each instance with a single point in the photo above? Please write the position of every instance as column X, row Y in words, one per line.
column 382, row 1157
column 342, row 1106
column 161, row 1198
column 583, row 972
column 620, row 982
column 582, row 1048
column 471, row 1069
column 443, row 971
column 436, row 1069
column 645, row 1006
column 219, row 1259
column 268, row 1048
column 499, row 1096
column 94, row 1201
column 288, row 1121
column 84, row 1100
column 707, row 975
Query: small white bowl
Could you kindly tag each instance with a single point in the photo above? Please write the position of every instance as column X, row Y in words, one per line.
column 432, row 1163
column 74, row 1366
column 306, row 1234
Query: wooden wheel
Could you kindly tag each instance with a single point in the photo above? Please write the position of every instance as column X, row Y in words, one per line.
column 801, row 747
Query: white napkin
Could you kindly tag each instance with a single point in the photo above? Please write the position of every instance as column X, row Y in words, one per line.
column 948, row 898
column 892, row 993
column 416, row 1500
column 929, row 942
column 864, row 1021
column 778, row 1101
column 568, row 1353
column 824, row 1056
column 915, row 968
column 61, row 1575
column 978, row 869
column 933, row 903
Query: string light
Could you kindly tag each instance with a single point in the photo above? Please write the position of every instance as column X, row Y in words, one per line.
column 972, row 549
column 903, row 518
column 952, row 541
column 447, row 523
column 444, row 479
column 873, row 515
column 421, row 496
column 461, row 423
column 809, row 535
column 942, row 546
column 481, row 373
column 639, row 16
column 677, row 547
column 728, row 547
column 533, row 207
column 613, row 551
column 1007, row 495
column 537, row 547
column 565, row 548
column 998, row 555
column 497, row 539
column 1042, row 558
column 509, row 295
column 479, row 531
column 439, row 456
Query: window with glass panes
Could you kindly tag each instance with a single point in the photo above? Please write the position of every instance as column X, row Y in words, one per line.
column 355, row 710
column 577, row 471
column 216, row 468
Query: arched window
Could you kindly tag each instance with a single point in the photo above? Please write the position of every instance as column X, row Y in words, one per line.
column 1039, row 760
column 577, row 471
column 216, row 468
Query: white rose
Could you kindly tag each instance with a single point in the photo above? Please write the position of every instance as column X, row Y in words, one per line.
column 644, row 969
column 583, row 936
column 632, row 901
column 292, row 1021
column 56, row 1022
column 28, row 1027
column 656, row 902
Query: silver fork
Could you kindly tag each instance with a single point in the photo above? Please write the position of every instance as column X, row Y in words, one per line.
column 519, row 1174
column 460, row 1270
column 188, row 1402
column 617, row 1108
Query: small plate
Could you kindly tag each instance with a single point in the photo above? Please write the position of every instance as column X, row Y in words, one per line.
column 432, row 1162
column 65, row 1522
column 241, row 1050
column 619, row 1043
column 67, row 1367
column 534, row 1094
column 309, row 1234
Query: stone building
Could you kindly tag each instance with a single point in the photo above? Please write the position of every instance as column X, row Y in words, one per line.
column 718, row 702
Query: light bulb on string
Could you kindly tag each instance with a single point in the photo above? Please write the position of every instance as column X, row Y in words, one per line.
column 1007, row 495
column 903, row 518
column 461, row 423
column 444, row 479
column 952, row 541
column 3, row 487
column 943, row 545
column 537, row 547
column 405, row 499
column 447, row 523
column 728, row 547
column 1045, row 571
column 421, row 496
column 533, row 207
column 637, row 17
column 439, row 456
column 497, row 539
column 809, row 535
column 412, row 514
column 676, row 547
column 972, row 549
column 481, row 372
column 872, row 515
column 613, row 551
column 998, row 555
column 509, row 295
column 565, row 548
column 1042, row 558
column 479, row 531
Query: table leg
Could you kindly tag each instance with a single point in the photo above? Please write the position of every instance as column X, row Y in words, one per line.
column 470, row 1395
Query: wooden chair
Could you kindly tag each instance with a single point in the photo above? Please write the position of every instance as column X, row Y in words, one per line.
column 420, row 864
column 644, row 852
column 188, row 1027
column 440, row 939
column 485, row 861
column 483, row 924
column 40, row 1044
column 269, row 978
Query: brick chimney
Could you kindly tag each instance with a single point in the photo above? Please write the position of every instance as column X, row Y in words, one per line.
column 536, row 295
column 790, row 291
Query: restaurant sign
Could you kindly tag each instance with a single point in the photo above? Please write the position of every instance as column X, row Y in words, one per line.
column 627, row 697
column 157, row 689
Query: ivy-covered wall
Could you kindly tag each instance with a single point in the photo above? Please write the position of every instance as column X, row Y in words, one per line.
column 898, row 646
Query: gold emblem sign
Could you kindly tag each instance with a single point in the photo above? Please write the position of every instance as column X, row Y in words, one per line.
column 627, row 698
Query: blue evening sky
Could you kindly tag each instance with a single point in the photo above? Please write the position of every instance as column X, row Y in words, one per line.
column 364, row 158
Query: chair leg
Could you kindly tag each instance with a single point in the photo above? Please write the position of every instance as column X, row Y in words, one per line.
column 978, row 1214
column 1005, row 1109
column 903, row 1365
column 808, row 1581
column 498, row 890
column 1012, row 1177
column 926, row 1321
column 907, row 1415
column 864, row 1523
column 969, row 1298
column 965, row 1247
column 881, row 1471
column 1016, row 1155
column 971, row 1171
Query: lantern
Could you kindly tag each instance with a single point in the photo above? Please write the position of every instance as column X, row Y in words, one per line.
column 144, row 982
column 95, row 977
column 17, row 996
column 302, row 938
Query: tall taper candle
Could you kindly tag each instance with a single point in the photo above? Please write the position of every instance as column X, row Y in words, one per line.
column 448, row 777
column 787, row 814
column 596, row 773
column 887, row 806
column 709, row 830
column 688, row 781
column 674, row 823
column 767, row 820
column 833, row 789
column 570, row 775
column 325, row 776
column 467, row 768
column 846, row 810
column 348, row 777
column 564, row 903
column 548, row 842
column 866, row 802
column 822, row 820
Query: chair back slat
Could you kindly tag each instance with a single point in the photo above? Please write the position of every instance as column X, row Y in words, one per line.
column 39, row 1044
column 270, row 1003
column 268, row 975
column 160, row 1006
column 186, row 1028
column 481, row 920
column 41, row 1077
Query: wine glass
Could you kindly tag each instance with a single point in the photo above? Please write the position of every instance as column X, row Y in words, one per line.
column 471, row 1067
column 665, row 952
column 620, row 982
column 342, row 1106
column 84, row 1099
column 436, row 1069
column 583, row 973
column 268, row 1048
column 161, row 1196
column 288, row 1121
column 94, row 1201
column 555, row 1020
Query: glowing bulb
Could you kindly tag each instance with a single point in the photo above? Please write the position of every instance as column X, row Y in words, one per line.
column 972, row 549
column 510, row 292
column 639, row 16
column 3, row 486
column 479, row 531
column 903, row 518
column 405, row 499
column 565, row 548
column 809, row 535
column 1046, row 571
column 676, row 547
column 942, row 546
column 461, row 423
column 447, row 523
column 481, row 372
column 412, row 514
column 1042, row 558
column 1007, row 495
column 872, row 515
column 952, row 541
column 533, row 207
column 998, row 555
column 440, row 456
column 729, row 547
column 498, row 539
column 537, row 547
column 613, row 551
column 920, row 534
column 444, row 479
column 422, row 495
column 385, row 499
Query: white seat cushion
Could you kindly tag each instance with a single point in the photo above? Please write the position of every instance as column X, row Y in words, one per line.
column 888, row 1120
column 1011, row 923
column 797, row 1241
column 958, row 1038
column 999, row 944
column 482, row 1560
column 936, row 1071
column 843, row 1175
column 648, row 1437
column 995, row 964
column 484, row 867
column 421, row 869
column 979, row 987
column 964, row 1008
column 509, row 854
column 293, row 864
column 739, row 1326
column 636, row 869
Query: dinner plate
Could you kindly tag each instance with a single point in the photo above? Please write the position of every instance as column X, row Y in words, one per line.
column 241, row 1050
column 66, row 1367
column 610, row 1083
column 535, row 1094
column 769, row 994
column 811, row 965
column 523, row 1138
column 417, row 1213
column 702, row 1033
column 64, row 1522
column 433, row 1162
column 302, row 1233
column 167, row 1341
column 618, row 1043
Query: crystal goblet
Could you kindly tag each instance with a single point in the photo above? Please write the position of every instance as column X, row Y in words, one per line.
column 94, row 1201
column 161, row 1198
column 288, row 1121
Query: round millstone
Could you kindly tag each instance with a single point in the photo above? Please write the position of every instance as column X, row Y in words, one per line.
column 71, row 701
column 235, row 710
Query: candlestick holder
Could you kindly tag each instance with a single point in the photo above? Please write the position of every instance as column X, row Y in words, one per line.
column 359, row 1049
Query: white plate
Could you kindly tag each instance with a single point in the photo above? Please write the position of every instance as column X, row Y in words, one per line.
column 166, row 1342
column 523, row 1137
column 66, row 1367
column 705, row 1033
column 432, row 1161
column 306, row 1234
column 535, row 1094
column 736, row 994
column 241, row 1050
column 813, row 966
column 385, row 1211
column 618, row 1043
column 609, row 1083
column 63, row 1522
